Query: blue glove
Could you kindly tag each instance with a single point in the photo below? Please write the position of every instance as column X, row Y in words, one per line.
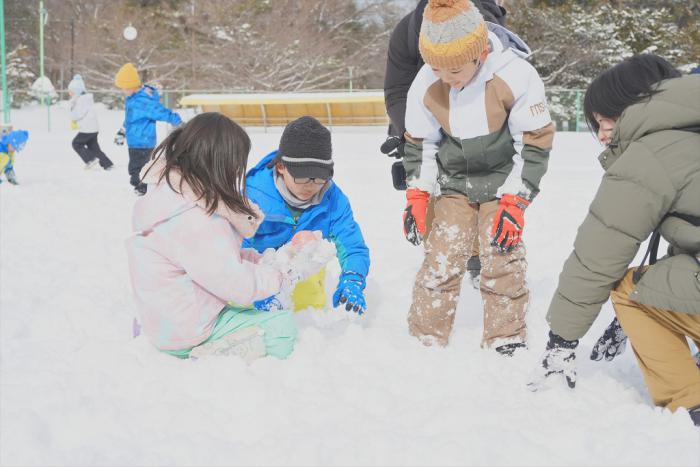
column 271, row 303
column 349, row 292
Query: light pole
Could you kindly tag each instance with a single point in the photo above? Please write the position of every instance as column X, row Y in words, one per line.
column 192, row 45
column 43, row 16
column 5, row 96
column 42, row 12
column 72, row 46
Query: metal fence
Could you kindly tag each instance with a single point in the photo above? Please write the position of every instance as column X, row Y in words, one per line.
column 114, row 98
column 566, row 108
column 565, row 105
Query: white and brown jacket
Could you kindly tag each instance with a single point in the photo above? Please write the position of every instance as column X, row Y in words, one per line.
column 490, row 138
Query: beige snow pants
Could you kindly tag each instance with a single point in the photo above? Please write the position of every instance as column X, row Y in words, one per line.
column 658, row 338
column 447, row 249
column 430, row 215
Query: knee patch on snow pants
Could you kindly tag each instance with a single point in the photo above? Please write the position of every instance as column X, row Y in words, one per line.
column 279, row 329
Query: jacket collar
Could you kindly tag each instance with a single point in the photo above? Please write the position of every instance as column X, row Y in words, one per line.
column 613, row 152
column 261, row 187
column 504, row 47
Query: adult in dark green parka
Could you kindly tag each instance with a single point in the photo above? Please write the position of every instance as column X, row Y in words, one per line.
column 649, row 118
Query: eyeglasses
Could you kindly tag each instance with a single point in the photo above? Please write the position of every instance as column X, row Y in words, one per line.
column 307, row 180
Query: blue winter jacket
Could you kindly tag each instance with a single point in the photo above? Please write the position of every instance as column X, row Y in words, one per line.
column 333, row 217
column 17, row 139
column 142, row 110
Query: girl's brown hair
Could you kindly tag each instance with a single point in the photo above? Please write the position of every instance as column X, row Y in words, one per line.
column 211, row 153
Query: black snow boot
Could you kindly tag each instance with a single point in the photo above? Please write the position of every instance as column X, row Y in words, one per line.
column 508, row 350
column 11, row 177
column 474, row 270
column 140, row 189
column 695, row 415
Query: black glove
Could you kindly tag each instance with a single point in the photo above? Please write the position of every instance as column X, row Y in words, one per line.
column 120, row 137
column 398, row 176
column 393, row 147
column 558, row 358
column 611, row 344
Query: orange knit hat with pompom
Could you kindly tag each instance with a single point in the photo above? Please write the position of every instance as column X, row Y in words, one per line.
column 453, row 33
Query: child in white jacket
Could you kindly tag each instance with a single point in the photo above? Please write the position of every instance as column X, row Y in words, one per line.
column 84, row 118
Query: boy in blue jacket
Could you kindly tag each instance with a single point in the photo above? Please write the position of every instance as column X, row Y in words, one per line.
column 142, row 109
column 293, row 187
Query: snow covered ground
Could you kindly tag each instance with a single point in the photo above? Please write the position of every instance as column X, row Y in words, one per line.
column 77, row 390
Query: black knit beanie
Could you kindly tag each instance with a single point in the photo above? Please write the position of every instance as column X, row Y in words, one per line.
column 305, row 149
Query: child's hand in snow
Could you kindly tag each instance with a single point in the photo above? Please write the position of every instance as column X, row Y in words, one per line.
column 559, row 359
column 297, row 260
column 301, row 258
column 349, row 292
column 303, row 237
column 611, row 344
column 276, row 302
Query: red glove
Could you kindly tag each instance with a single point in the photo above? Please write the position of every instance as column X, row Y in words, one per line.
column 414, row 215
column 509, row 222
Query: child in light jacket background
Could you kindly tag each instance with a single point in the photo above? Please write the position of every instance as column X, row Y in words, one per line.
column 186, row 262
column 84, row 119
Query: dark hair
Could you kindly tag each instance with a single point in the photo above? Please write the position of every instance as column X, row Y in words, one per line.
column 211, row 153
column 624, row 84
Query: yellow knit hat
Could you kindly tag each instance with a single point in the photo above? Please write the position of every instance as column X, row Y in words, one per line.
column 453, row 33
column 127, row 77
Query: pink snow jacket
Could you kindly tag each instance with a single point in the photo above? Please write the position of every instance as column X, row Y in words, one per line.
column 186, row 265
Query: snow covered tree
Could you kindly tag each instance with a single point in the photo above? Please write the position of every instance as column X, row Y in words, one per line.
column 19, row 75
column 302, row 45
column 296, row 45
column 573, row 42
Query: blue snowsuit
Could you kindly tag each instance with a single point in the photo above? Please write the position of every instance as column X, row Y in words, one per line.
column 17, row 139
column 142, row 110
column 333, row 217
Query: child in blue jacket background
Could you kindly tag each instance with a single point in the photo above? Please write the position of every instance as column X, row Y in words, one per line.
column 10, row 144
column 293, row 188
column 142, row 109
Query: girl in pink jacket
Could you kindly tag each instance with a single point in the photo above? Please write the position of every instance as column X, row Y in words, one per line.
column 193, row 283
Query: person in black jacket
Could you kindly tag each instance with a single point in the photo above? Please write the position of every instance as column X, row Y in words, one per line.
column 402, row 65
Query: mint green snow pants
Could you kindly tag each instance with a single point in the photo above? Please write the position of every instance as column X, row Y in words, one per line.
column 279, row 327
